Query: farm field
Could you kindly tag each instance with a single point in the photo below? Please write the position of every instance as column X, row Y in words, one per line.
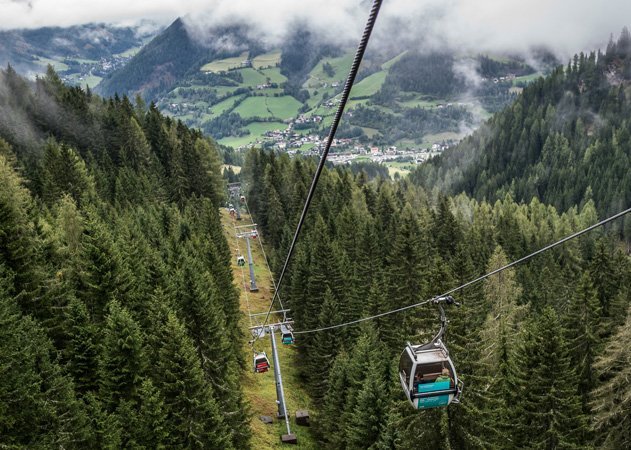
column 369, row 85
column 223, row 65
column 270, row 59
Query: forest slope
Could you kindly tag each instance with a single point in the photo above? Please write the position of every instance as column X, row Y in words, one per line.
column 120, row 320
column 567, row 138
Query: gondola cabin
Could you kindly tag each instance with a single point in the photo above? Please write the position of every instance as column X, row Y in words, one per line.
column 428, row 376
column 261, row 363
column 287, row 335
column 254, row 234
column 240, row 261
column 242, row 198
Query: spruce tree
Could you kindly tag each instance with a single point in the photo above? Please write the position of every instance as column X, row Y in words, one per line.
column 122, row 361
column 548, row 404
column 582, row 324
column 611, row 399
column 193, row 417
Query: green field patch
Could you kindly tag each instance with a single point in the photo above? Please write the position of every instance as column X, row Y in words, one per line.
column 420, row 101
column 274, row 75
column 430, row 139
column 224, row 90
column 354, row 103
column 57, row 65
column 237, row 141
column 253, row 107
column 341, row 66
column 392, row 171
column 223, row 65
column 251, row 77
column 266, row 60
column 527, row 78
column 370, row 132
column 369, row 85
column 284, row 107
column 389, row 63
column 89, row 81
column 260, row 128
column 130, row 52
column 225, row 105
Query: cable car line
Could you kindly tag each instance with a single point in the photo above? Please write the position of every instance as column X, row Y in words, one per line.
column 476, row 280
column 247, row 299
column 359, row 55
column 269, row 269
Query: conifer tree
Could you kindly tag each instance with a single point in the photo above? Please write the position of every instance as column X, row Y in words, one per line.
column 81, row 352
column 193, row 418
column 324, row 348
column 122, row 362
column 582, row 324
column 548, row 405
column 611, row 400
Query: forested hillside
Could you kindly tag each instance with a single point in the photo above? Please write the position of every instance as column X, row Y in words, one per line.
column 566, row 138
column 119, row 319
column 540, row 347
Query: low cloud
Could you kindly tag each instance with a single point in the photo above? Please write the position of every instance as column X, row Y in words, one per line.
column 565, row 26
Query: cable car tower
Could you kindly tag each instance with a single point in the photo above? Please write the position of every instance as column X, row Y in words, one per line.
column 247, row 235
column 258, row 332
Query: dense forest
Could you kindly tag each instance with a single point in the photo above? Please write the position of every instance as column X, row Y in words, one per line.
column 119, row 317
column 542, row 348
column 566, row 138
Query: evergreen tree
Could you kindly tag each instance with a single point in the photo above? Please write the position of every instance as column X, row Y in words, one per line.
column 548, row 406
column 611, row 400
column 122, row 362
column 193, row 418
column 582, row 322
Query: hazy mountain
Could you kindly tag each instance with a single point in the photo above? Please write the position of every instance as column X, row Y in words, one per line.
column 91, row 49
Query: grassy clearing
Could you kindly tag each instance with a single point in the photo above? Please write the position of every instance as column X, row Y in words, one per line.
column 392, row 171
column 527, row 78
column 341, row 67
column 260, row 128
column 420, row 101
column 283, row 107
column 223, row 65
column 266, row 60
column 260, row 389
column 130, row 52
column 224, row 106
column 235, row 169
column 274, row 75
column 237, row 141
column 389, row 64
column 370, row 132
column 253, row 107
column 57, row 65
column 252, row 77
column 369, row 85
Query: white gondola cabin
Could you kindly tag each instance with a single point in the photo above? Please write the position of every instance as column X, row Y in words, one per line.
column 261, row 363
column 427, row 373
column 240, row 260
column 287, row 335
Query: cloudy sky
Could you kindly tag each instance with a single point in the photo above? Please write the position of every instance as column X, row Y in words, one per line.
column 567, row 26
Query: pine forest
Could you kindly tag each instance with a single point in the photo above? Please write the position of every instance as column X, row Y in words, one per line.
column 121, row 322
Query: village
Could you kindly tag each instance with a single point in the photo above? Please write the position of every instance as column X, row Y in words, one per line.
column 344, row 150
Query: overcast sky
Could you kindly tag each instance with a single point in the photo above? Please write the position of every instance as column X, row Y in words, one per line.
column 567, row 26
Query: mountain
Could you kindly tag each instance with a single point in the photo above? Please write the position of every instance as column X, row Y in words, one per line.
column 566, row 139
column 81, row 54
column 167, row 59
